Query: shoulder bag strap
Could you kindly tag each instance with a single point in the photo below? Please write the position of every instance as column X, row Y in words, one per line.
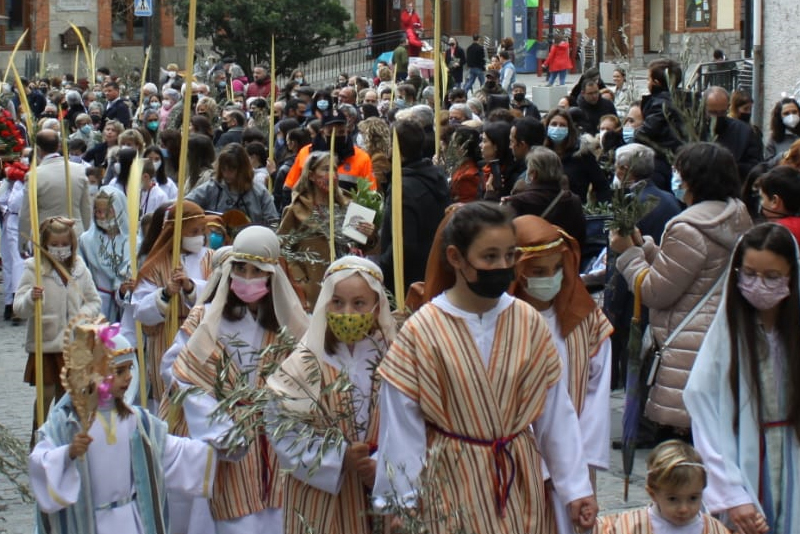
column 695, row 310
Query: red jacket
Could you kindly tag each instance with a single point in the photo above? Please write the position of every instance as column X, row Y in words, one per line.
column 558, row 59
column 793, row 224
column 408, row 20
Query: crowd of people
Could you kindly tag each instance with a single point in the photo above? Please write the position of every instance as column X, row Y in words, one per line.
column 484, row 406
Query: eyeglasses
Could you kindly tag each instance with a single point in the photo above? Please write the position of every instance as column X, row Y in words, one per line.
column 771, row 279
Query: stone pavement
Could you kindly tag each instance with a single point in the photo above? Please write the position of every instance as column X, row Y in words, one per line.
column 16, row 413
column 16, row 402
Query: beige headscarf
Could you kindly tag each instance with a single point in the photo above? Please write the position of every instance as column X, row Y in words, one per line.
column 343, row 268
column 260, row 247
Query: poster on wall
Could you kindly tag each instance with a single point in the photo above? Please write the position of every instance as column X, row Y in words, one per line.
column 73, row 5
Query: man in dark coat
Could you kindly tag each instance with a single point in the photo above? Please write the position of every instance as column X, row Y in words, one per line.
column 425, row 197
column 476, row 63
column 116, row 108
column 735, row 135
column 594, row 106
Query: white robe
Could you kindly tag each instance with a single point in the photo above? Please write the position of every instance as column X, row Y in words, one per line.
column 594, row 420
column 243, row 342
column 11, row 195
column 189, row 467
column 400, row 416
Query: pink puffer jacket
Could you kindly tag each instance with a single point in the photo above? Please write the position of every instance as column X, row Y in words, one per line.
column 695, row 250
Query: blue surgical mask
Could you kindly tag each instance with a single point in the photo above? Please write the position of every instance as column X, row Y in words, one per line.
column 86, row 129
column 399, row 103
column 557, row 133
column 323, row 105
column 545, row 288
column 676, row 185
column 627, row 133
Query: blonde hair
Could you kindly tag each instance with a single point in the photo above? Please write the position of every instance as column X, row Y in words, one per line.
column 376, row 135
column 59, row 226
column 132, row 135
column 672, row 464
column 305, row 185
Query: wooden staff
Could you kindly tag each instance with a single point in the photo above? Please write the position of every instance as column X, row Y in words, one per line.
column 331, row 202
column 397, row 224
column 437, row 72
column 271, row 140
column 172, row 325
column 33, row 206
column 65, row 152
column 11, row 60
column 144, row 80
column 86, row 55
column 134, row 196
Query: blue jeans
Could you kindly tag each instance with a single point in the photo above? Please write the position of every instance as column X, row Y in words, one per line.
column 562, row 75
column 474, row 74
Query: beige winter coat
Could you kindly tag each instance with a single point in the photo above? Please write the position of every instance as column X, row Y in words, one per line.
column 695, row 249
column 60, row 303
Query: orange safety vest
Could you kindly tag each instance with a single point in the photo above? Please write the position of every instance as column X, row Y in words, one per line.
column 359, row 165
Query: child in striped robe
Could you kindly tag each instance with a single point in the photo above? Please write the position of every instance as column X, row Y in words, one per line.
column 676, row 478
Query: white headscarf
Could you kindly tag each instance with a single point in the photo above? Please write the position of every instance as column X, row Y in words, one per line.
column 343, row 268
column 258, row 246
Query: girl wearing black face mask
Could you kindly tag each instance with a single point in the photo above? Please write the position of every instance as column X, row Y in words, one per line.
column 489, row 358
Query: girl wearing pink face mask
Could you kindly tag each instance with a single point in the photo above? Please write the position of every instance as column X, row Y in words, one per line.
column 742, row 393
column 234, row 320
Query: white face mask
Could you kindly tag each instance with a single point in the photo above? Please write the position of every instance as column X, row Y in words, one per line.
column 117, row 168
column 93, row 189
column 106, row 224
column 193, row 244
column 157, row 164
column 545, row 288
column 617, row 183
column 790, row 121
column 60, row 253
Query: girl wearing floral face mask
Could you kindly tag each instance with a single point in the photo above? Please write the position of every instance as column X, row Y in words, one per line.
column 350, row 331
column 236, row 318
column 548, row 278
column 67, row 290
column 159, row 280
column 742, row 393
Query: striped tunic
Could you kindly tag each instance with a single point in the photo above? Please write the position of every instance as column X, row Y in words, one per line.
column 639, row 522
column 466, row 406
column 157, row 342
column 582, row 345
column 306, row 506
column 250, row 484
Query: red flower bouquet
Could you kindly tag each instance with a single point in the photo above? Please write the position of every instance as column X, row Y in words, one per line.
column 11, row 141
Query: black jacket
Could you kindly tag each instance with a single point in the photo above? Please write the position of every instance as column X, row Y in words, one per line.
column 567, row 212
column 457, row 72
column 663, row 131
column 425, row 197
column 476, row 56
column 595, row 111
column 527, row 108
column 582, row 169
column 118, row 111
column 742, row 141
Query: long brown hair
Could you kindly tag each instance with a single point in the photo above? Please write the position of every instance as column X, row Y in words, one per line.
column 233, row 156
column 742, row 320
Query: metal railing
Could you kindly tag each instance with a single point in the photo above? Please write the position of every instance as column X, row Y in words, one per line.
column 731, row 75
column 356, row 58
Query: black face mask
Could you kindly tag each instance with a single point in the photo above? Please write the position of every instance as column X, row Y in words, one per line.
column 745, row 117
column 491, row 283
column 224, row 126
column 491, row 84
column 519, row 97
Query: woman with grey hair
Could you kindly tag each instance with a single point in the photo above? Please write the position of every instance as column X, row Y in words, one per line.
column 633, row 162
column 545, row 192
column 74, row 108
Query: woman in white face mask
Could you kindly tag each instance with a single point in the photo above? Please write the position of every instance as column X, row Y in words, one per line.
column 784, row 127
column 547, row 278
column 159, row 280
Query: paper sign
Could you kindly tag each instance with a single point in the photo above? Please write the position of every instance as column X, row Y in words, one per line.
column 357, row 213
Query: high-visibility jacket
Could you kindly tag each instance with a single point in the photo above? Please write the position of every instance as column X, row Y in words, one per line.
column 359, row 165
